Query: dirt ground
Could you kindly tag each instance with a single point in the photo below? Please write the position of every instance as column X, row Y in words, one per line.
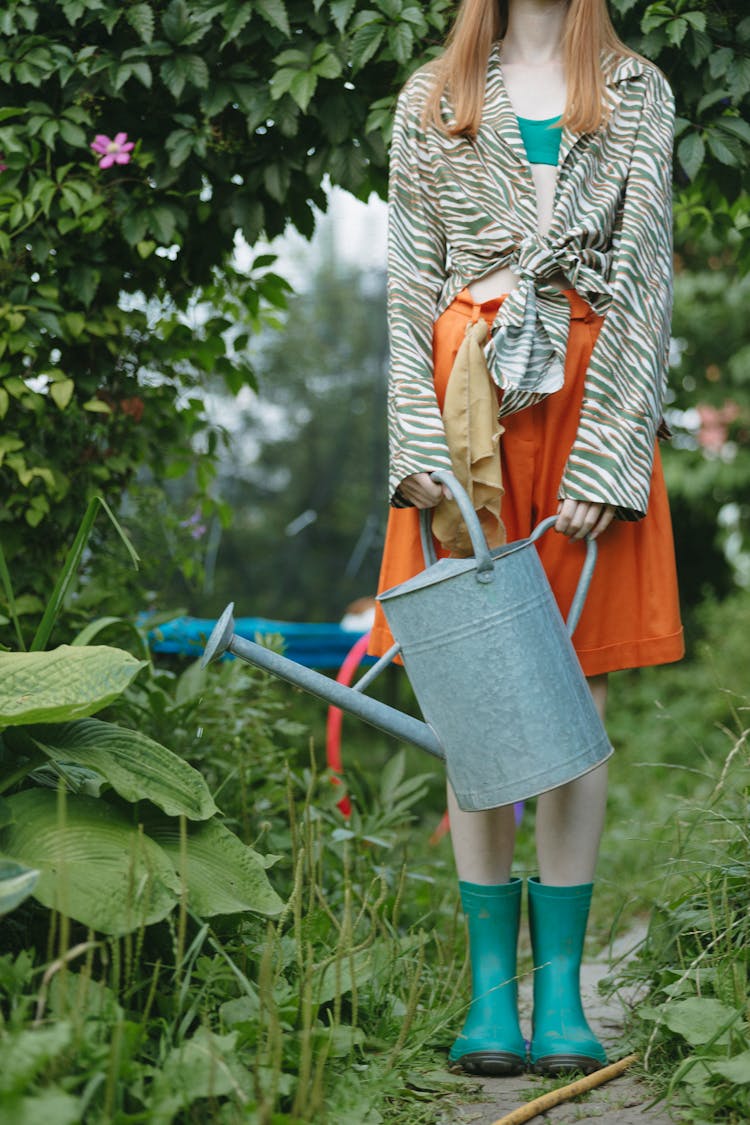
column 622, row 1101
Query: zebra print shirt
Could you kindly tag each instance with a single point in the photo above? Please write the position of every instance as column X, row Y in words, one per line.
column 460, row 208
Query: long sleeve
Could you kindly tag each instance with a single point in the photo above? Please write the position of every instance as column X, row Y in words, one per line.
column 612, row 457
column 416, row 272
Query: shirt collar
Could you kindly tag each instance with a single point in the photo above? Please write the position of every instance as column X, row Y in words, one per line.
column 618, row 68
column 499, row 114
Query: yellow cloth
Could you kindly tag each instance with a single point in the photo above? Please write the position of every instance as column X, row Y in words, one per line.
column 473, row 433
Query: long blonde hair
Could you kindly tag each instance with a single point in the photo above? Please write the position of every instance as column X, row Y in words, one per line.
column 462, row 68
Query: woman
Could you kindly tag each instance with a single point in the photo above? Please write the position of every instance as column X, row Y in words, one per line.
column 531, row 189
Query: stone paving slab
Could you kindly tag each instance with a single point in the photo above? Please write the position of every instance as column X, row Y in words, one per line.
column 622, row 1101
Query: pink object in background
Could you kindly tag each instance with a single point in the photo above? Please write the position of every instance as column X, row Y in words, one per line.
column 335, row 762
column 445, row 823
column 351, row 662
column 715, row 423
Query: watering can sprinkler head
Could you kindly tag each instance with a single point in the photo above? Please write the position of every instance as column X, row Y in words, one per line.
column 224, row 639
column 221, row 637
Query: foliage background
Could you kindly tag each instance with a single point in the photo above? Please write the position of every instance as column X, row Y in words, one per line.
column 123, row 316
column 120, row 300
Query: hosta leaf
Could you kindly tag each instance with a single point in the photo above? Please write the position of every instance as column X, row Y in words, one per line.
column 223, row 875
column 96, row 866
column 66, row 683
column 6, row 816
column 136, row 766
column 16, row 883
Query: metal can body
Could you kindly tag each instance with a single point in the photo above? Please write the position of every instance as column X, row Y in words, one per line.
column 497, row 677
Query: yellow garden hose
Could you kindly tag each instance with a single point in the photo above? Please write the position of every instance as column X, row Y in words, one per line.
column 565, row 1093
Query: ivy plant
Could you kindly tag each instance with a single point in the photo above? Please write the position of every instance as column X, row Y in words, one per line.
column 138, row 139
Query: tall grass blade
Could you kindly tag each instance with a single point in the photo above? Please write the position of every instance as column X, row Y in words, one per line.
column 69, row 571
column 8, row 588
column 94, row 628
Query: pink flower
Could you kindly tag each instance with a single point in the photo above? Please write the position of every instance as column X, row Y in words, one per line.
column 112, row 151
column 3, row 165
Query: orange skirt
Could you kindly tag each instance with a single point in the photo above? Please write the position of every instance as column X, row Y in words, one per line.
column 631, row 618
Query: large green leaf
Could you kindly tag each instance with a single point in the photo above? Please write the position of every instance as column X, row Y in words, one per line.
column 52, row 1106
column 223, row 875
column 25, row 1053
column 16, row 883
column 95, row 865
column 205, row 1066
column 737, row 1070
column 699, row 1019
column 136, row 766
column 66, row 683
column 336, row 979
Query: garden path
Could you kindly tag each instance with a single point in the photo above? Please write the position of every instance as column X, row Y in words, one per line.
column 622, row 1101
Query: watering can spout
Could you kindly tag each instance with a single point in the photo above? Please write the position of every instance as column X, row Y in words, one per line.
column 224, row 639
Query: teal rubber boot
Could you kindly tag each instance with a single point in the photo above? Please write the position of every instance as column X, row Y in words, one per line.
column 490, row 1041
column 561, row 1040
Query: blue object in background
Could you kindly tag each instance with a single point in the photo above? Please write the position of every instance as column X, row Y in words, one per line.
column 314, row 645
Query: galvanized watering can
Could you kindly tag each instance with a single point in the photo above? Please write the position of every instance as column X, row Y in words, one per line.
column 489, row 656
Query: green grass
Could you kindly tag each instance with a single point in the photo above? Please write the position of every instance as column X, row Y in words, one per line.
column 343, row 1008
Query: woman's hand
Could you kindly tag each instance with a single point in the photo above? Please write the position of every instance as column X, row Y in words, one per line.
column 579, row 518
column 422, row 490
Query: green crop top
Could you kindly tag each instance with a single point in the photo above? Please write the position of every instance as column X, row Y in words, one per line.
column 542, row 142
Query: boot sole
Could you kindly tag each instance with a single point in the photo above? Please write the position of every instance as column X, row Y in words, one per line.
column 554, row 1066
column 490, row 1064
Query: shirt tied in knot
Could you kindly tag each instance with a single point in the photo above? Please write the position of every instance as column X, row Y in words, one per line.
column 521, row 356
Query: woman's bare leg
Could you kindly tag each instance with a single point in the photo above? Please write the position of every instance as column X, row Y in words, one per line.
column 570, row 819
column 482, row 842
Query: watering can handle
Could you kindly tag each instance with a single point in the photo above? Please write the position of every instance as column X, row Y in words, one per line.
column 481, row 550
column 584, row 581
column 470, row 518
